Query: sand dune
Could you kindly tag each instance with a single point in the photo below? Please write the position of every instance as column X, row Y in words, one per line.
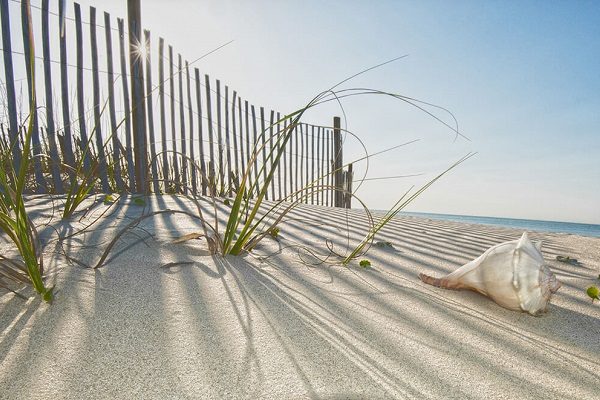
column 277, row 325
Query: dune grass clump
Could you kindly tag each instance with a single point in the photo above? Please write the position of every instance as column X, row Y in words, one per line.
column 14, row 220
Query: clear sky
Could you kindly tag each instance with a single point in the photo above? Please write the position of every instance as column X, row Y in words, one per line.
column 521, row 77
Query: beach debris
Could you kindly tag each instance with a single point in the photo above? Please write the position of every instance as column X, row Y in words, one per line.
column 384, row 244
column 227, row 202
column 176, row 264
column 139, row 201
column 189, row 236
column 513, row 274
column 594, row 293
column 365, row 263
column 108, row 199
column 274, row 232
column 568, row 260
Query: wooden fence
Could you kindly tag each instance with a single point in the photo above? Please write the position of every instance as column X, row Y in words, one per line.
column 140, row 135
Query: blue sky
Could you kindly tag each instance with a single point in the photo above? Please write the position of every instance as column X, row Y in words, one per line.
column 521, row 77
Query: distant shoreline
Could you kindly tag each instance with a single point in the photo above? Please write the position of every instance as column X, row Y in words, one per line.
column 575, row 228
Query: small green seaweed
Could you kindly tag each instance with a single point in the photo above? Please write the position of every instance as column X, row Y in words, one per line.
column 274, row 232
column 365, row 263
column 139, row 201
column 594, row 293
column 108, row 199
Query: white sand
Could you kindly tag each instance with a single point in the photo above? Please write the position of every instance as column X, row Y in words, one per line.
column 242, row 328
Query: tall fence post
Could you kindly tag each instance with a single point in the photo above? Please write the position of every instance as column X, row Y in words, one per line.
column 348, row 193
column 13, row 124
column 338, row 159
column 137, row 93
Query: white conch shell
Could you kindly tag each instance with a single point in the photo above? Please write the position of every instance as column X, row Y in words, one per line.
column 512, row 274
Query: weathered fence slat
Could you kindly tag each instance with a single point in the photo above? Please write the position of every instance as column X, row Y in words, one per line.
column 191, row 124
column 54, row 160
column 307, row 163
column 329, row 160
column 68, row 155
column 280, row 145
column 272, row 154
column 175, row 156
column 126, row 108
column 150, row 114
column 116, row 144
column 211, row 171
column 296, row 168
column 263, row 134
column 97, row 131
column 255, row 149
column 227, row 141
column 241, row 130
column 184, row 159
column 312, row 165
column 235, row 141
column 138, row 110
column 337, row 160
column 84, row 146
column 248, row 146
column 163, row 121
column 317, row 159
column 35, row 134
column 302, row 161
column 200, row 133
column 286, row 145
column 220, row 136
column 13, row 124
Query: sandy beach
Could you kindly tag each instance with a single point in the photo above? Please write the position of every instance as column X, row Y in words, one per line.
column 278, row 325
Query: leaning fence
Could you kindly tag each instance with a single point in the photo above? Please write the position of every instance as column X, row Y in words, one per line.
column 152, row 117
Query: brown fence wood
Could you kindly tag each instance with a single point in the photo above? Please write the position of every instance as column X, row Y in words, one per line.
column 263, row 146
column 83, row 138
column 272, row 154
column 211, row 171
column 317, row 159
column 50, row 127
column 97, row 131
column 227, row 142
column 193, row 171
column 235, row 139
column 150, row 114
column 175, row 156
column 337, row 163
column 284, row 159
column 138, row 110
column 116, row 144
column 220, row 135
column 200, row 132
column 35, row 134
column 13, row 124
column 255, row 151
column 163, row 119
column 329, row 160
column 279, row 145
column 183, row 143
column 68, row 155
column 126, row 108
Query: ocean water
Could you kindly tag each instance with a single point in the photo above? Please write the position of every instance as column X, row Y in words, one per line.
column 525, row 224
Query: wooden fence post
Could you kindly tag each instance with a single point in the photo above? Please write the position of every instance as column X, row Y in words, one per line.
column 29, row 52
column 111, row 104
column 50, row 128
column 134, row 17
column 348, row 193
column 13, row 125
column 338, row 163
